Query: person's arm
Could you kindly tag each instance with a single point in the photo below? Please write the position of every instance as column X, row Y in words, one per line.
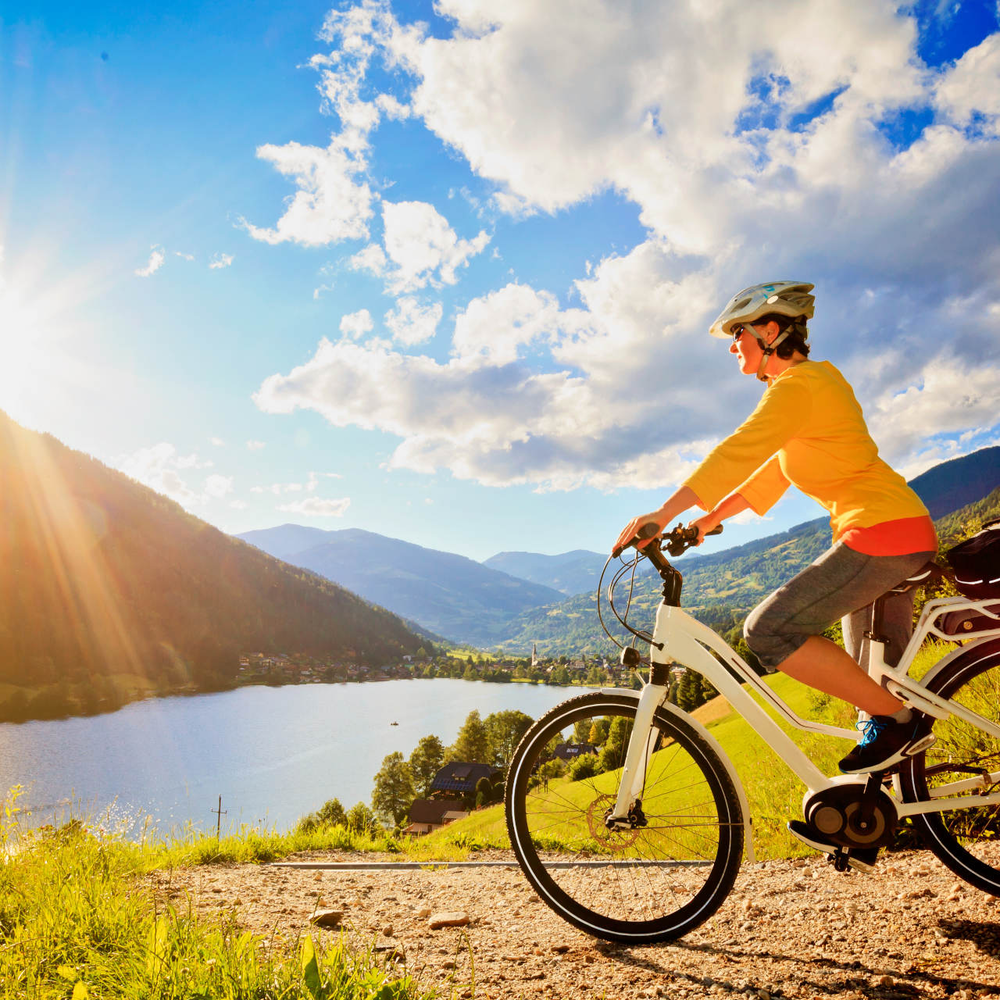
column 732, row 505
column 674, row 506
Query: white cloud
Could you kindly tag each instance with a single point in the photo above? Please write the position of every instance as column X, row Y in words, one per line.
column 255, row 445
column 971, row 89
column 217, row 486
column 634, row 392
column 315, row 507
column 160, row 467
column 411, row 323
column 784, row 146
column 496, row 326
column 355, row 325
column 184, row 256
column 220, row 260
column 329, row 206
column 951, row 397
column 333, row 200
column 155, row 262
column 420, row 248
column 279, row 488
column 217, row 441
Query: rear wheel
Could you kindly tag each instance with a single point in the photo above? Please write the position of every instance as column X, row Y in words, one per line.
column 966, row 840
column 653, row 882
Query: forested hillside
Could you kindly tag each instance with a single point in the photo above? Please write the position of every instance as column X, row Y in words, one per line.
column 108, row 589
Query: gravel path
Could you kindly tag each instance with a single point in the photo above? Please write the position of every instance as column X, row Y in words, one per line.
column 790, row 929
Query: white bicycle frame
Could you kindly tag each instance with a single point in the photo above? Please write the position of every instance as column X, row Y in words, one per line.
column 678, row 638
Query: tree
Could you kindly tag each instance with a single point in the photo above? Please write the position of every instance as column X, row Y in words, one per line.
column 613, row 751
column 688, row 691
column 393, row 792
column 425, row 762
column 598, row 732
column 503, row 733
column 361, row 819
column 484, row 792
column 585, row 766
column 560, row 675
column 332, row 813
column 472, row 742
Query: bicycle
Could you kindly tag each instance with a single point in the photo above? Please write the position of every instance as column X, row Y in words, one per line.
column 648, row 846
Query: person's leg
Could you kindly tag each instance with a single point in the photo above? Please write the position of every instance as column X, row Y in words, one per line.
column 823, row 665
column 784, row 630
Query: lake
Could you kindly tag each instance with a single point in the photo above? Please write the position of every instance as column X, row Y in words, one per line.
column 274, row 754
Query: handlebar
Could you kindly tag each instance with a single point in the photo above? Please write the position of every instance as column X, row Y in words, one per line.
column 677, row 541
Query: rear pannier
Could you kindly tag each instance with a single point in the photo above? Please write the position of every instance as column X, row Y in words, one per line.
column 976, row 563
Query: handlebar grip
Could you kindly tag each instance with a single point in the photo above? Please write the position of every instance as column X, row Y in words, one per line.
column 648, row 530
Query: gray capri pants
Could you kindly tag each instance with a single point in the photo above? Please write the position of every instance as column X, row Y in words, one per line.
column 841, row 583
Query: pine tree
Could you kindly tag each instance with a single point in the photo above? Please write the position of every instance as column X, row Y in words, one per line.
column 472, row 742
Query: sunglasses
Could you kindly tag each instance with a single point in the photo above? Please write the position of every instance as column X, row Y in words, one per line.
column 738, row 330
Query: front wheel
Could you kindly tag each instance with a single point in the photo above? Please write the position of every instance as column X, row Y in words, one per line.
column 963, row 761
column 652, row 882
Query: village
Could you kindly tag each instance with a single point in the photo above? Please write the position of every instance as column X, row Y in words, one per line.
column 299, row 668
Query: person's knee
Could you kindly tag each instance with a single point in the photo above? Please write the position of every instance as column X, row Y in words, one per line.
column 768, row 641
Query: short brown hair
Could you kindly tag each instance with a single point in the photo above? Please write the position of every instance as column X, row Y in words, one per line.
column 798, row 333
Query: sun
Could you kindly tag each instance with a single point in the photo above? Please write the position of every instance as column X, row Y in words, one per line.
column 36, row 326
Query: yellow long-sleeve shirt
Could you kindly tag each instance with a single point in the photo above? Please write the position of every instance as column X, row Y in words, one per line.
column 807, row 430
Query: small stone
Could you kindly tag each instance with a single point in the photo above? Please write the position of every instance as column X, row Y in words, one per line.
column 318, row 877
column 448, row 919
column 387, row 930
column 423, row 914
column 327, row 918
column 886, row 981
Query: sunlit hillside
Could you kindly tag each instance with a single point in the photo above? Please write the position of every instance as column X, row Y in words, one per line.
column 109, row 590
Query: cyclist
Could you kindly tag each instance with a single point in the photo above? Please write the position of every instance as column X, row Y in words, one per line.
column 808, row 430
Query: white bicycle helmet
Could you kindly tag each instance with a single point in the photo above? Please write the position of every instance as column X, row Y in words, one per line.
column 786, row 298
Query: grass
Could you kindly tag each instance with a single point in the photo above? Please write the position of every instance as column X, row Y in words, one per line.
column 77, row 922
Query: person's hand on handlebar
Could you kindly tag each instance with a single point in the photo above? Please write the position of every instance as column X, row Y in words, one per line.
column 705, row 524
column 679, row 502
column 634, row 532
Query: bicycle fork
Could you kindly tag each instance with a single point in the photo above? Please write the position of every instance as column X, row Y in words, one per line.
column 627, row 812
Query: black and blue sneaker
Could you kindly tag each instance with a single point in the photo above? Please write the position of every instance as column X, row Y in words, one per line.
column 862, row 859
column 885, row 743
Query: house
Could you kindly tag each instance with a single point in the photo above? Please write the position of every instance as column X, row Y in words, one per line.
column 570, row 751
column 462, row 777
column 431, row 814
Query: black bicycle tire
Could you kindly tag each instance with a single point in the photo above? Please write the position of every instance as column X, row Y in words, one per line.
column 934, row 828
column 723, row 867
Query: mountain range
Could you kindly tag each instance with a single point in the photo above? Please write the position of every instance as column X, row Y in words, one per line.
column 459, row 598
column 515, row 599
column 108, row 589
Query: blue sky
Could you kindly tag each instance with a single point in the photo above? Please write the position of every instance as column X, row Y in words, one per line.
column 445, row 271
